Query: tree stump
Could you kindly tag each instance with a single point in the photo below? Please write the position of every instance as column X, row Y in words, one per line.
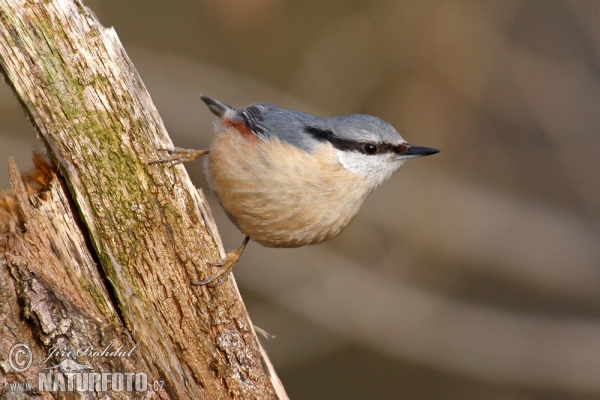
column 101, row 255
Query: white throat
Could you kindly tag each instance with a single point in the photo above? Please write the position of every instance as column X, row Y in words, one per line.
column 376, row 168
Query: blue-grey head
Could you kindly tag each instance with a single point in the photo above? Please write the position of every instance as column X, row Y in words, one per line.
column 364, row 144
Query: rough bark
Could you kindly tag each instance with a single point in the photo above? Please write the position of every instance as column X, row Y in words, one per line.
column 147, row 226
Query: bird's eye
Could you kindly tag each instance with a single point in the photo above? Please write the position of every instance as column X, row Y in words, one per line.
column 370, row 148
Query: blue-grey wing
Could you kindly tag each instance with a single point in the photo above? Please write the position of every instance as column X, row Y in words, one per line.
column 268, row 121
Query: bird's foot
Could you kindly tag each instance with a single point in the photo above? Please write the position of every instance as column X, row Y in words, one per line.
column 178, row 155
column 226, row 265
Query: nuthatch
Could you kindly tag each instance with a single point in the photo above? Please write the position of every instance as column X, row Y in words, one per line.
column 289, row 179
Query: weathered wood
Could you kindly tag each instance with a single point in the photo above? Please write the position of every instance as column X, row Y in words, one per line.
column 150, row 229
column 52, row 291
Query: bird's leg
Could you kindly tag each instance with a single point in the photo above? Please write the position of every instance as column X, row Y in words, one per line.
column 178, row 155
column 226, row 265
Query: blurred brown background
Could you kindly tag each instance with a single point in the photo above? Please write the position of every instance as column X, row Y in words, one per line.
column 473, row 274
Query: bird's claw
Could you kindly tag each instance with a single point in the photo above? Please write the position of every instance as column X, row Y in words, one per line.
column 209, row 280
column 178, row 155
column 216, row 264
column 226, row 265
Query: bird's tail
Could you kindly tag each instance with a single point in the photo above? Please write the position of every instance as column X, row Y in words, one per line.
column 215, row 106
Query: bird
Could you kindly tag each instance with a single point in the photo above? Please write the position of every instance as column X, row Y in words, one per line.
column 286, row 178
column 68, row 365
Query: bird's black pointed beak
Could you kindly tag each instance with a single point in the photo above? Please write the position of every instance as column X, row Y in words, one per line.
column 417, row 151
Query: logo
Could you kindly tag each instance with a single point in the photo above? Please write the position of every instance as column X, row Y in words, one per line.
column 69, row 366
column 20, row 357
column 72, row 376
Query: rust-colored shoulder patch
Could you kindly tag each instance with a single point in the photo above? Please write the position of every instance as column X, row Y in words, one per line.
column 239, row 126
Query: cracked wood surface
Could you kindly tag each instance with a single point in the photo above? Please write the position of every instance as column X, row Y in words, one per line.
column 52, row 296
column 149, row 227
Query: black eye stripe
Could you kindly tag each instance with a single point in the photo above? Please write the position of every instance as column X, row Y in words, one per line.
column 326, row 135
column 392, row 148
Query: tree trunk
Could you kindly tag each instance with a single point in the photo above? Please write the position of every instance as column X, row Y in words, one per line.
column 101, row 257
